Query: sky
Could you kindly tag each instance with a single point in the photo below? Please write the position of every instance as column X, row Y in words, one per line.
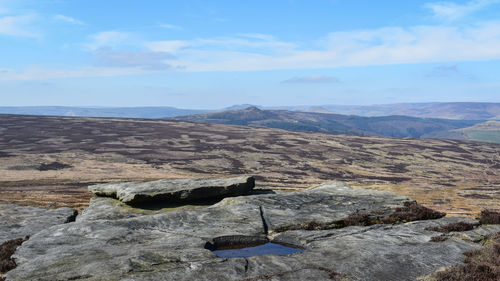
column 212, row 54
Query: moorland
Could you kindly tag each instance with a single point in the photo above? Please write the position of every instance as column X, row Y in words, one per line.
column 50, row 161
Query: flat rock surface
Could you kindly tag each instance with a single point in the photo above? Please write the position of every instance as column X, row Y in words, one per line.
column 325, row 203
column 175, row 190
column 127, row 244
column 19, row 221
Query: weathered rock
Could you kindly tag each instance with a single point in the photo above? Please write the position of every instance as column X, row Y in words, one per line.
column 19, row 221
column 111, row 248
column 326, row 203
column 112, row 209
column 174, row 190
column 129, row 244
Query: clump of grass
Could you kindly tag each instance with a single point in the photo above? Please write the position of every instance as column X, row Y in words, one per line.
column 7, row 249
column 479, row 265
column 312, row 225
column 358, row 219
column 454, row 226
column 489, row 217
column 439, row 238
column 412, row 211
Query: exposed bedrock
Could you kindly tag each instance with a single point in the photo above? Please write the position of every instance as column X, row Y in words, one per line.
column 175, row 190
column 20, row 221
column 115, row 241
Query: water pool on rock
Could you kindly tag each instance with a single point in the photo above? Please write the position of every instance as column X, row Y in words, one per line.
column 245, row 251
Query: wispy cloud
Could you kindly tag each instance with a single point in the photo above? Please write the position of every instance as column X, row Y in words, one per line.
column 312, row 79
column 67, row 19
column 18, row 26
column 255, row 52
column 383, row 46
column 106, row 39
column 448, row 71
column 241, row 42
column 143, row 59
column 169, row 26
column 450, row 11
column 444, row 71
column 170, row 46
column 37, row 73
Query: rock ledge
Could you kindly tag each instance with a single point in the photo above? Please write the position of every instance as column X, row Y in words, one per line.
column 175, row 190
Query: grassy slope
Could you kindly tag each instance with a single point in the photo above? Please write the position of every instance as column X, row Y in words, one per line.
column 487, row 132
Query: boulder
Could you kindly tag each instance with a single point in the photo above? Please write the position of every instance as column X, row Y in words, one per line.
column 175, row 190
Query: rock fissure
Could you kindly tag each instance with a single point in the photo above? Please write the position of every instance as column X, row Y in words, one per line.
column 246, row 265
column 264, row 223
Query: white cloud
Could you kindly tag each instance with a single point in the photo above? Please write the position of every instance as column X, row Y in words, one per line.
column 107, row 39
column 312, row 79
column 36, row 73
column 169, row 26
column 449, row 71
column 5, row 70
column 451, row 11
column 171, row 46
column 261, row 43
column 17, row 26
column 384, row 46
column 143, row 59
column 252, row 44
column 67, row 19
column 255, row 52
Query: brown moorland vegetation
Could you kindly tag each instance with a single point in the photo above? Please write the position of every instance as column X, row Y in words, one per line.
column 50, row 161
column 480, row 265
column 7, row 249
column 489, row 217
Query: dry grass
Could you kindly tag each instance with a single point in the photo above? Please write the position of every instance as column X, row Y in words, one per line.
column 454, row 226
column 439, row 238
column 480, row 265
column 413, row 211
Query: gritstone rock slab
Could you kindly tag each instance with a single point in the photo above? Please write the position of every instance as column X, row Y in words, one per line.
column 174, row 190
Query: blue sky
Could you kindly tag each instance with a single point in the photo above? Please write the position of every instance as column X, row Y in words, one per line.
column 212, row 54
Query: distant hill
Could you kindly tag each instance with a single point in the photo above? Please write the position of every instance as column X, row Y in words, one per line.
column 446, row 110
column 449, row 110
column 389, row 126
column 487, row 131
column 123, row 112
column 239, row 106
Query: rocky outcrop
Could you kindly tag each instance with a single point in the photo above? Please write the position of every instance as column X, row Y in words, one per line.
column 175, row 190
column 114, row 241
column 20, row 221
column 325, row 204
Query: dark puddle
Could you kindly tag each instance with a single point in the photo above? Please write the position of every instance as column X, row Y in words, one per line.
column 245, row 251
